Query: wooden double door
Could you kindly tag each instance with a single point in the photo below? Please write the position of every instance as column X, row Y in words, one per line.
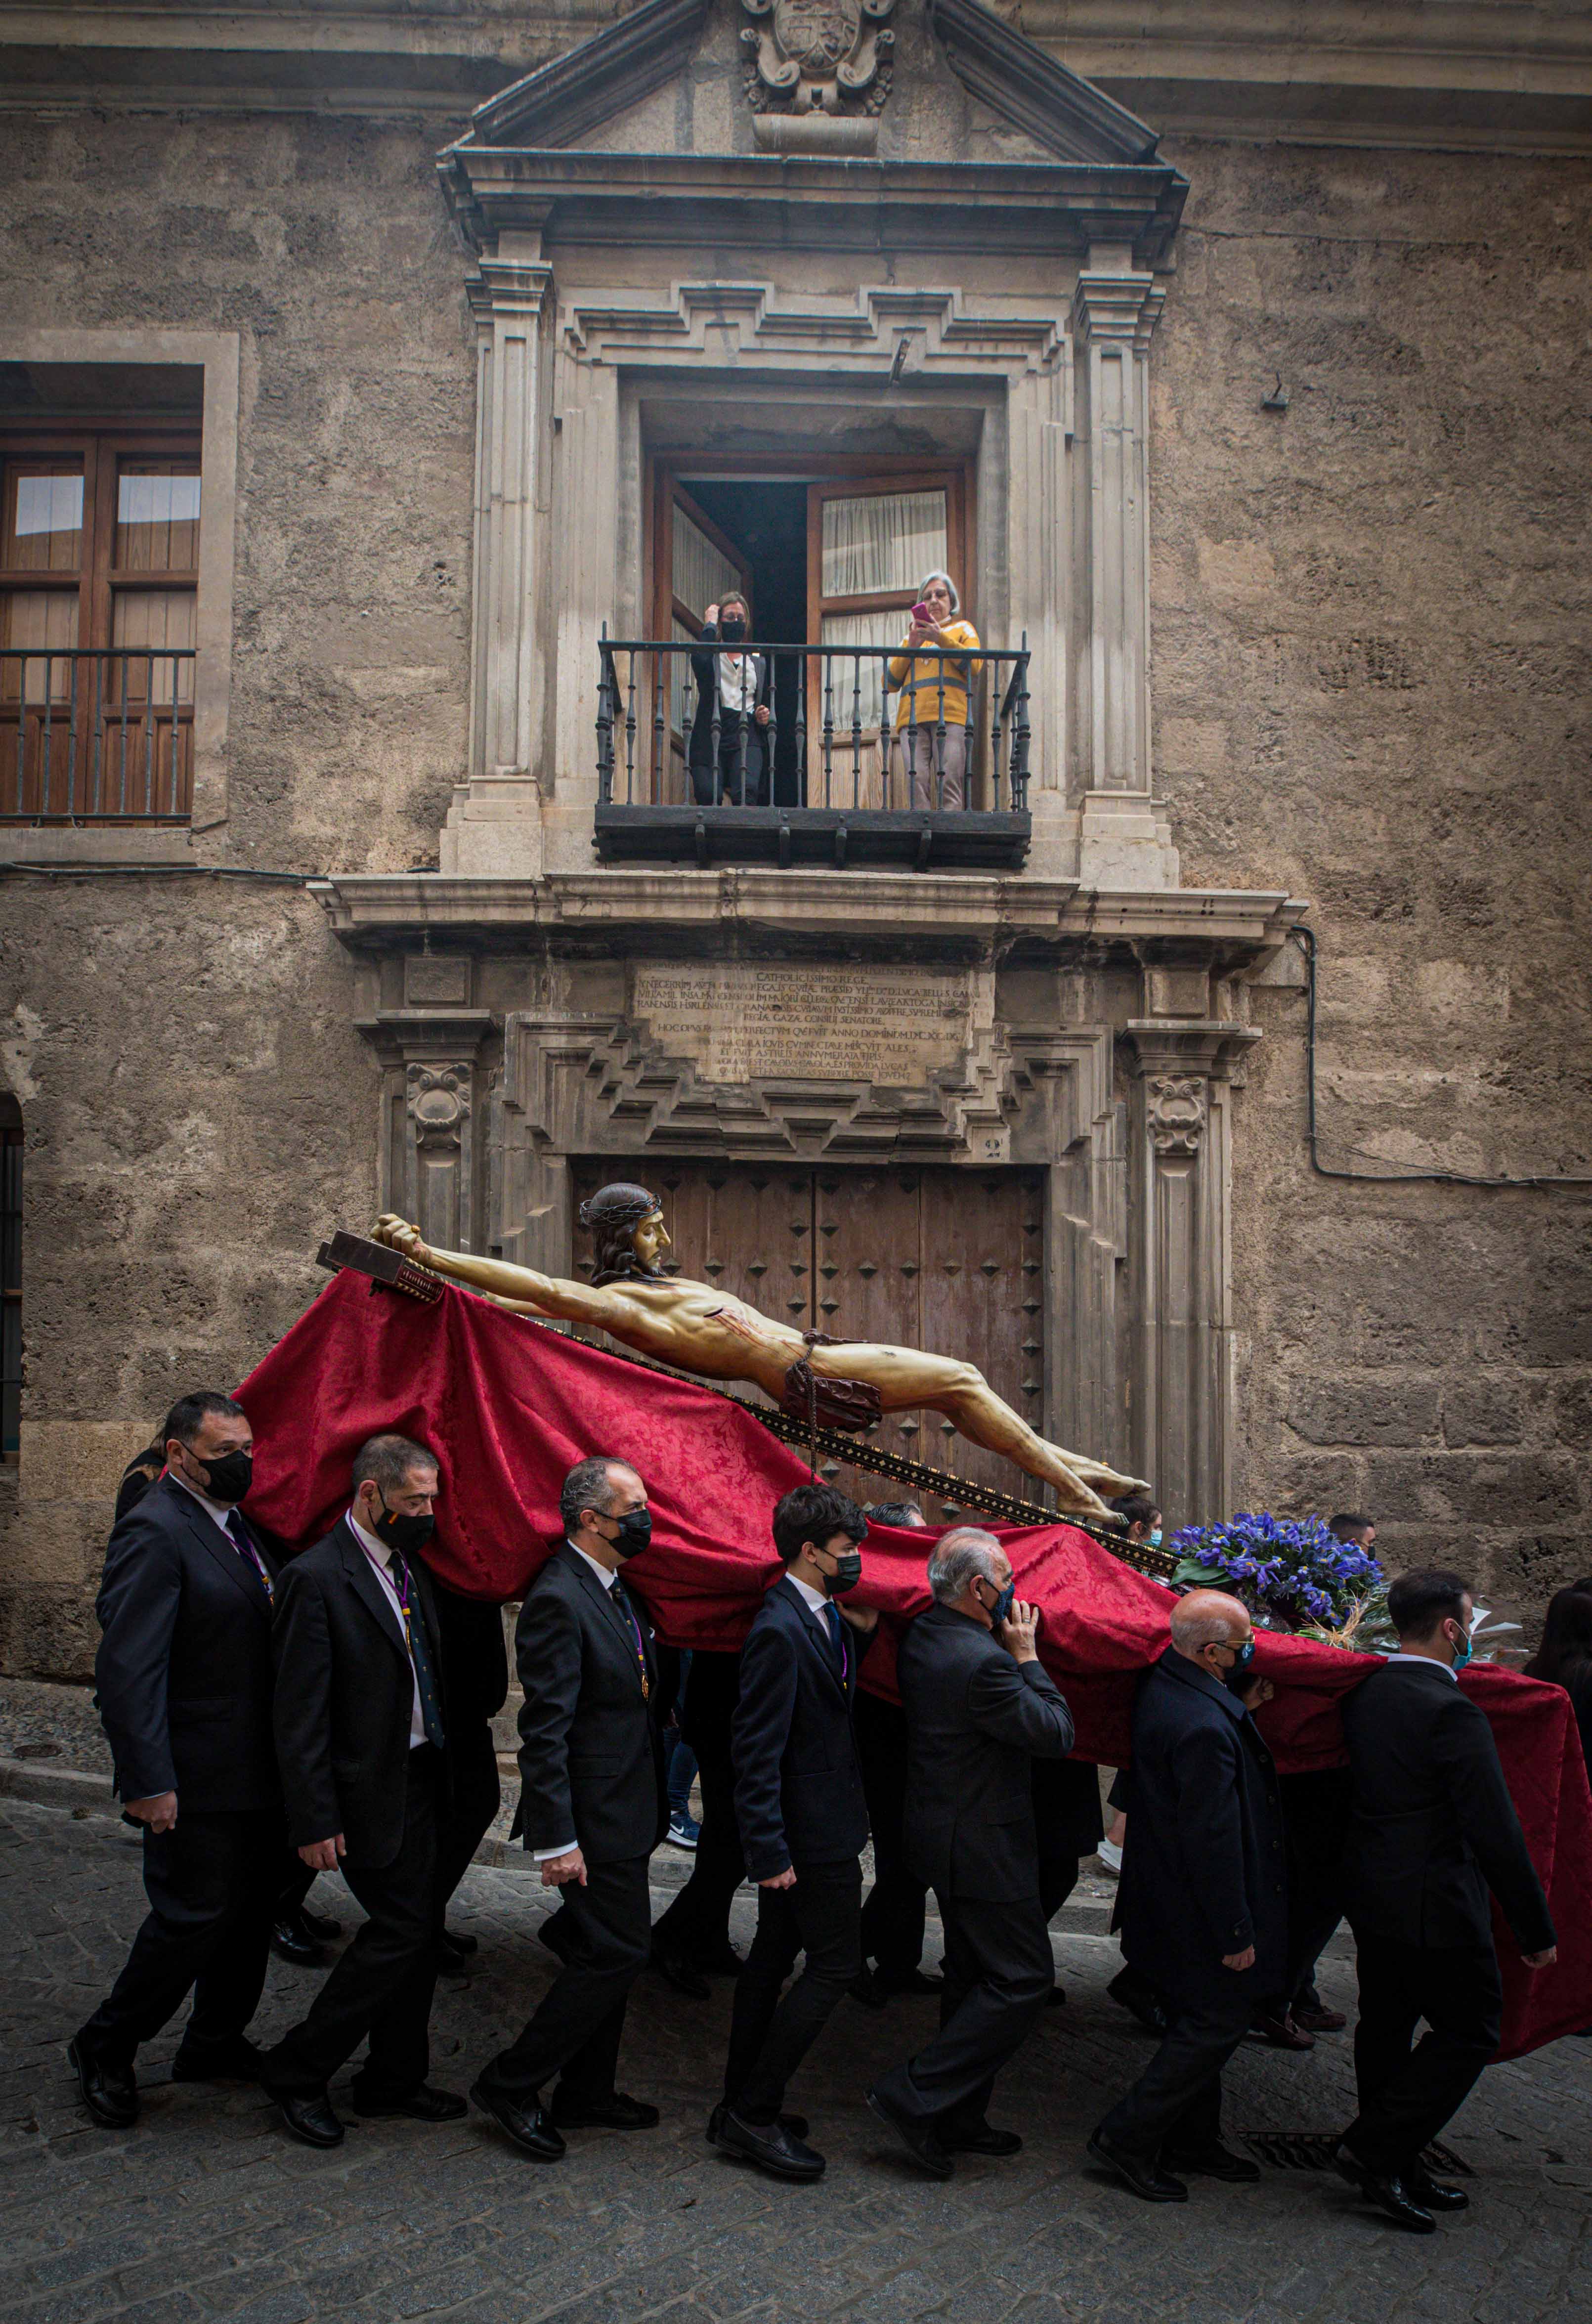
column 951, row 1260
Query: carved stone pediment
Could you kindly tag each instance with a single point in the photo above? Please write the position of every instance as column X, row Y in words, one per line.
column 829, row 56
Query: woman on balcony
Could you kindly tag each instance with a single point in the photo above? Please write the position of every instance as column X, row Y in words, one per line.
column 931, row 730
column 727, row 755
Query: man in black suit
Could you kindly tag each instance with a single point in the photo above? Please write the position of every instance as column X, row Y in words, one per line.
column 1432, row 1829
column 979, row 1711
column 360, row 1739
column 475, row 1681
column 591, row 1763
column 183, row 1672
column 691, row 1939
column 1202, row 1899
column 893, row 1912
column 802, row 1818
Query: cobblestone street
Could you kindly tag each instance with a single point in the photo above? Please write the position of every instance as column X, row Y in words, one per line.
column 207, row 2210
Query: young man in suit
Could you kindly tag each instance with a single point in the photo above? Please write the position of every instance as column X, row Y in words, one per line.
column 362, row 1741
column 1203, row 1894
column 802, row 1818
column 591, row 1763
column 1432, row 1830
column 979, row 1711
column 184, row 1680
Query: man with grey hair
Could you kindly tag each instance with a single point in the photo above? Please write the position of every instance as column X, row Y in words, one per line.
column 591, row 1763
column 1203, row 1897
column 981, row 1709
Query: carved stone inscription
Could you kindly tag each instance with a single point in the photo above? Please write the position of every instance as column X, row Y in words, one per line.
column 743, row 1023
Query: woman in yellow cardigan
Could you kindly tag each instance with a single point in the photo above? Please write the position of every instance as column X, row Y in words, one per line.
column 934, row 686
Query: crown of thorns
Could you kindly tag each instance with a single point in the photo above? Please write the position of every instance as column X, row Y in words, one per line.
column 618, row 1205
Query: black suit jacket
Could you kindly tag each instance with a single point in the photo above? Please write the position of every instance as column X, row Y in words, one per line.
column 344, row 1692
column 1433, row 1826
column 591, row 1750
column 975, row 1721
column 1203, row 1872
column 183, row 1669
column 798, row 1780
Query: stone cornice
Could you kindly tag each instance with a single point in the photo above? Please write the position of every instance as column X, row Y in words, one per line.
column 761, row 201
column 1056, row 106
column 1230, row 929
column 562, row 102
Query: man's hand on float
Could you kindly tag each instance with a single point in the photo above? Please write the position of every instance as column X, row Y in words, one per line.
column 158, row 1811
column 1016, row 1633
column 786, row 1879
column 321, row 1854
column 864, row 1620
column 1541, row 1960
column 1246, row 1959
column 1259, row 1690
column 559, row 1871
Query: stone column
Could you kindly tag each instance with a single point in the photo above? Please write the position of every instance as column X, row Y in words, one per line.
column 436, row 1096
column 1181, row 1336
column 494, row 825
column 1125, row 839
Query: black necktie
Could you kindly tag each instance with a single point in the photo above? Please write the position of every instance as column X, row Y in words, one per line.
column 620, row 1601
column 237, row 1533
column 419, row 1646
column 832, row 1616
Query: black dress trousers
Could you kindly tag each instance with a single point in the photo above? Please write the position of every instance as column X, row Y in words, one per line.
column 770, row 2036
column 1408, row 2095
column 998, row 1971
column 698, row 1920
column 893, row 1917
column 211, row 1883
column 383, row 1985
column 1175, row 2105
column 476, row 1796
column 605, row 1941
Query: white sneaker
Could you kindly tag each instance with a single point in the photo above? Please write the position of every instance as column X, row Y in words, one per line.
column 1110, row 1855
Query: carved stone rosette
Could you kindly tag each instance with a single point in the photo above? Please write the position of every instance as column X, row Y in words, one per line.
column 1174, row 1111
column 828, row 56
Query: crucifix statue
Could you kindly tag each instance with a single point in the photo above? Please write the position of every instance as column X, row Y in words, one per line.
column 694, row 1328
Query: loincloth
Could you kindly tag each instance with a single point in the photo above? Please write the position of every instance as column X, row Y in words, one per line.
column 825, row 1402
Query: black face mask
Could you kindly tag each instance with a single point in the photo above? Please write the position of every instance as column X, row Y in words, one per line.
column 732, row 630
column 848, row 1572
column 400, row 1532
column 1238, row 1677
column 635, row 1531
column 231, row 1474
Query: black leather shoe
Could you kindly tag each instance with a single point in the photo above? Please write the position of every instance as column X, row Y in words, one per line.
column 529, row 2126
column 109, row 2092
column 677, row 1971
column 916, row 2134
column 1132, row 1994
column 1145, row 2177
column 456, row 1940
column 797, row 2124
column 1388, row 2192
column 1434, row 2194
column 320, row 1926
column 231, row 2061
column 1282, row 2031
column 772, row 2147
column 452, row 1965
column 1056, row 1999
column 421, row 2105
column 311, row 2120
column 891, row 1981
column 1214, row 2162
column 976, row 2138
column 618, row 2112
column 290, row 1941
column 1318, row 2019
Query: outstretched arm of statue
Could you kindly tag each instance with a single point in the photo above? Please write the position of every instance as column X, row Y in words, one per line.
column 518, row 1286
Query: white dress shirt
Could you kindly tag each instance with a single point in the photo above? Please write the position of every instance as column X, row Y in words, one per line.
column 380, row 1557
column 216, row 1511
column 1446, row 1669
column 568, row 1847
column 814, row 1600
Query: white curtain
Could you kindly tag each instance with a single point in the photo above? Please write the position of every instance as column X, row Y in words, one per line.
column 881, row 540
column 884, row 630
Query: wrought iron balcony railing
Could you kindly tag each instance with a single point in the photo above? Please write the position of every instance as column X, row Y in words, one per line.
column 96, row 735
column 828, row 760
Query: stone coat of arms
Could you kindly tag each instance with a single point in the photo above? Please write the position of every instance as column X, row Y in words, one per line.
column 829, row 56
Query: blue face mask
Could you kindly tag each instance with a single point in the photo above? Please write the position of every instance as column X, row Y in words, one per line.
column 1238, row 1675
column 1463, row 1654
column 1155, row 1537
column 1002, row 1606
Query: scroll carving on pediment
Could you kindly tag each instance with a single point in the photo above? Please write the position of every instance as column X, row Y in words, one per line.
column 1176, row 1110
column 822, row 56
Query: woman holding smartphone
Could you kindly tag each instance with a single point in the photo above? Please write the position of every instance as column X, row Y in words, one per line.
column 935, row 675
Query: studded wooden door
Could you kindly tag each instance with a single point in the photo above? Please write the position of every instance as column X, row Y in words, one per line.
column 951, row 1260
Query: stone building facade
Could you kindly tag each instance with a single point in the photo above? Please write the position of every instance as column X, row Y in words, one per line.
column 1261, row 431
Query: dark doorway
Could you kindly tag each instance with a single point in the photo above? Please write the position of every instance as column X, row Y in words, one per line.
column 768, row 522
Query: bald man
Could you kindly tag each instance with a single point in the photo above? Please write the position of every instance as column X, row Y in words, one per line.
column 1204, row 1895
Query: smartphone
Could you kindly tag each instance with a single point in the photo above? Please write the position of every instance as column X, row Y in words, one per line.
column 923, row 617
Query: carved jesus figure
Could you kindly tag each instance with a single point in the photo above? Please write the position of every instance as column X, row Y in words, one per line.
column 697, row 1329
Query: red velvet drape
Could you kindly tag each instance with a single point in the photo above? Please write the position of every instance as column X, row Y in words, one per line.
column 509, row 1406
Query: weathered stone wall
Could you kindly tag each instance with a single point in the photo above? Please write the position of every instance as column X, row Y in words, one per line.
column 1373, row 687
column 198, row 1107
